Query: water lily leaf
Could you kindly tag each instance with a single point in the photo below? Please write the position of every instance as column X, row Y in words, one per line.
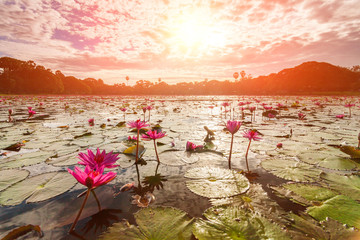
column 163, row 223
column 304, row 227
column 352, row 151
column 10, row 176
column 229, row 222
column 291, row 170
column 26, row 159
column 305, row 194
column 340, row 208
column 38, row 188
column 346, row 185
column 67, row 160
column 213, row 182
column 327, row 161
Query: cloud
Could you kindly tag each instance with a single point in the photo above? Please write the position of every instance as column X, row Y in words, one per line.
column 148, row 37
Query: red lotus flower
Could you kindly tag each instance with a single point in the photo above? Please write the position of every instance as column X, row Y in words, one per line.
column 91, row 178
column 233, row 126
column 31, row 113
column 91, row 121
column 251, row 135
column 341, row 116
column 138, row 124
column 192, row 147
column 98, row 160
column 153, row 135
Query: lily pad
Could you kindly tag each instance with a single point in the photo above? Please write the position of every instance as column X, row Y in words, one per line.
column 38, row 188
column 340, row 208
column 327, row 161
column 213, row 182
column 228, row 222
column 26, row 159
column 10, row 176
column 305, row 194
column 163, row 223
column 291, row 170
column 345, row 185
column 304, row 227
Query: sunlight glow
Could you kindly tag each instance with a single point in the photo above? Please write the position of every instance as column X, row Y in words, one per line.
column 195, row 34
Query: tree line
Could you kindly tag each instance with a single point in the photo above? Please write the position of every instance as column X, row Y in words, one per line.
column 25, row 77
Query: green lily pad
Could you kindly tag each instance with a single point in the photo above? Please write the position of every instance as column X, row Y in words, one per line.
column 38, row 188
column 327, row 161
column 228, row 222
column 213, row 182
column 304, row 227
column 291, row 170
column 340, row 208
column 305, row 194
column 163, row 223
column 10, row 176
column 345, row 185
column 26, row 159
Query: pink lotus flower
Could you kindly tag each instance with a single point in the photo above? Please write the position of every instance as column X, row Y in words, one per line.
column 279, row 145
column 270, row 115
column 98, row 160
column 10, row 112
column 149, row 107
column 233, row 126
column 153, row 134
column 268, row 107
column 340, row 116
column 349, row 105
column 138, row 124
column 192, row 147
column 252, row 109
column 91, row 178
column 225, row 104
column 132, row 138
column 31, row 113
column 91, row 122
column 251, row 135
column 29, row 108
column 301, row 116
column 123, row 109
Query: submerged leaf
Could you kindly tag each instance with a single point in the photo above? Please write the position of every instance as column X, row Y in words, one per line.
column 163, row 223
column 216, row 182
column 20, row 231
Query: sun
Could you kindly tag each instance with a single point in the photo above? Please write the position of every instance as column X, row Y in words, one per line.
column 195, row 34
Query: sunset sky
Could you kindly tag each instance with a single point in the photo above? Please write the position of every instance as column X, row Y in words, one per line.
column 179, row 40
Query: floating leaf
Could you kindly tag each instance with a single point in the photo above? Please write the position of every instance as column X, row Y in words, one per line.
column 11, row 176
column 327, row 161
column 305, row 194
column 352, row 151
column 38, row 188
column 213, row 182
column 346, row 185
column 340, row 208
column 163, row 223
column 291, row 170
column 228, row 222
column 26, row 159
column 132, row 150
column 304, row 227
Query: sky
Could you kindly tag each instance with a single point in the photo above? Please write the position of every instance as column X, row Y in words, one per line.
column 179, row 40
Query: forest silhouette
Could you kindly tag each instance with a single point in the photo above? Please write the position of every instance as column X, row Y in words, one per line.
column 26, row 77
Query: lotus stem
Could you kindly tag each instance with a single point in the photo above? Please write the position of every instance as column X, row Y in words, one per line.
column 246, row 155
column 231, row 145
column 137, row 146
column 96, row 198
column 80, row 211
column 157, row 155
column 157, row 167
